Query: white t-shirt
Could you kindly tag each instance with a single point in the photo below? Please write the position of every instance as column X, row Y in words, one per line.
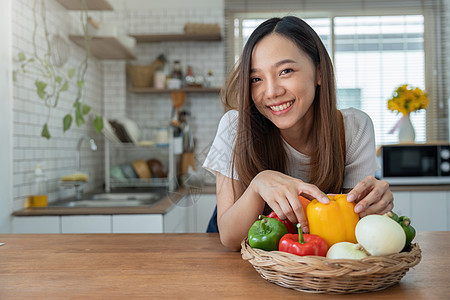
column 360, row 159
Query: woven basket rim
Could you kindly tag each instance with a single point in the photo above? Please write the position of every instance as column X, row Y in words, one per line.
column 318, row 274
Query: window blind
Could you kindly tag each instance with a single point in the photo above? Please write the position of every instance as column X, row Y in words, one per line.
column 376, row 46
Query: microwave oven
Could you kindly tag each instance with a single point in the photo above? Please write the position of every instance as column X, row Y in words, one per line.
column 415, row 164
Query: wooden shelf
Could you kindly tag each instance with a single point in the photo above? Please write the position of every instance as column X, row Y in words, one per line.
column 186, row 90
column 104, row 47
column 91, row 4
column 150, row 38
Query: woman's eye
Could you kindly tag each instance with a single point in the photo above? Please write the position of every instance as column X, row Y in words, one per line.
column 286, row 71
column 254, row 80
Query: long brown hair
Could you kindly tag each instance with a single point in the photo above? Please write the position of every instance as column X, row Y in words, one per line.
column 259, row 145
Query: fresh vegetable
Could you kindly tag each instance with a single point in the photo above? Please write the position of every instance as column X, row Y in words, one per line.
column 303, row 244
column 289, row 225
column 380, row 235
column 304, row 202
column 335, row 221
column 410, row 232
column 393, row 216
column 346, row 250
column 266, row 233
column 405, row 222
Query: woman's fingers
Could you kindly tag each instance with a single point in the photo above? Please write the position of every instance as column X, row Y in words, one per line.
column 371, row 196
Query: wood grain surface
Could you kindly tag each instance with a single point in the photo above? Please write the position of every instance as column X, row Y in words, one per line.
column 174, row 266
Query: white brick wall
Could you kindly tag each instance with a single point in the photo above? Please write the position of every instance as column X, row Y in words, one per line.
column 106, row 91
column 57, row 155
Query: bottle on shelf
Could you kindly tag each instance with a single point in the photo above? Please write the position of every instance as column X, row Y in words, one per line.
column 209, row 79
column 38, row 197
column 189, row 79
column 174, row 82
column 176, row 72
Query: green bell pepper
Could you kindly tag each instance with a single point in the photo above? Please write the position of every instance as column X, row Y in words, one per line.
column 405, row 222
column 410, row 232
column 266, row 233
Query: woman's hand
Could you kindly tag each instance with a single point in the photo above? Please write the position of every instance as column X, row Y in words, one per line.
column 372, row 196
column 281, row 192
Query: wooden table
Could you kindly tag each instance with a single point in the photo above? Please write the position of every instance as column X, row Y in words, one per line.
column 174, row 266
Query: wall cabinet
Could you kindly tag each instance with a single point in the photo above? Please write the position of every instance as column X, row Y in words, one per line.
column 429, row 211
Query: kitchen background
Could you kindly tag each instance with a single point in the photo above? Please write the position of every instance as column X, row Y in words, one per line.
column 107, row 87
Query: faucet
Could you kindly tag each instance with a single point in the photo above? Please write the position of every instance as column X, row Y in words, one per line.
column 80, row 141
column 79, row 187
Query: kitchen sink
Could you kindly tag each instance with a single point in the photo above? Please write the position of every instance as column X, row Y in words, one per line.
column 112, row 200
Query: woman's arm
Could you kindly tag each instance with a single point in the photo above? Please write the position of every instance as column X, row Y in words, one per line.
column 236, row 214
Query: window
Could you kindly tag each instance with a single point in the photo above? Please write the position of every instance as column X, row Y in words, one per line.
column 372, row 55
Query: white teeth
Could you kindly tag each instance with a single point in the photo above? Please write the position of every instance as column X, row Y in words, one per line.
column 281, row 107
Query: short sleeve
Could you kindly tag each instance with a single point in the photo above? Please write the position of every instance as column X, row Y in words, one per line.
column 220, row 154
column 361, row 158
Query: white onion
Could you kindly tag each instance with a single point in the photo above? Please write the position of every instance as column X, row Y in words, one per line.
column 380, row 235
column 346, row 250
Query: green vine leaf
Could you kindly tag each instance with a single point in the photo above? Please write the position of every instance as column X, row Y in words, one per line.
column 80, row 84
column 40, row 86
column 85, row 109
column 21, row 56
column 98, row 123
column 58, row 79
column 65, row 86
column 45, row 133
column 71, row 73
column 79, row 117
column 67, row 122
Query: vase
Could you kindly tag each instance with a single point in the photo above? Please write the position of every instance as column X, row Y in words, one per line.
column 406, row 133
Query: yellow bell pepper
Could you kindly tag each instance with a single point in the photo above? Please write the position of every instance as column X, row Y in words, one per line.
column 335, row 221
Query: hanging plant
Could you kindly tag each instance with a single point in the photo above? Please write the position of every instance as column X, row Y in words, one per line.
column 51, row 79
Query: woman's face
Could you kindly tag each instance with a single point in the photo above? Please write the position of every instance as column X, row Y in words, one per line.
column 283, row 81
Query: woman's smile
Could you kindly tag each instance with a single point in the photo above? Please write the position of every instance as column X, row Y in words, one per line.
column 281, row 108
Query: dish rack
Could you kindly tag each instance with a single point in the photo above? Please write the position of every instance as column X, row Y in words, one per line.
column 119, row 153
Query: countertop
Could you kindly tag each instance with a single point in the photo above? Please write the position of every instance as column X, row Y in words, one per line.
column 161, row 207
column 175, row 266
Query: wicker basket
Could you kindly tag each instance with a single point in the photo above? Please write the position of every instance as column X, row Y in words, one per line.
column 141, row 76
column 315, row 274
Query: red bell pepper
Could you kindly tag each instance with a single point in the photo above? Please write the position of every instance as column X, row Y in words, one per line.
column 289, row 225
column 303, row 244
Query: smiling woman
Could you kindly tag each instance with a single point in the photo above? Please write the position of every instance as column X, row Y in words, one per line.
column 285, row 137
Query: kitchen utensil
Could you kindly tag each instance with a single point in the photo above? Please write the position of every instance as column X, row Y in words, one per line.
column 162, row 137
column 177, row 101
column 132, row 129
column 173, row 83
column 141, row 168
column 157, row 168
column 128, row 170
column 117, row 173
column 120, row 131
column 188, row 139
column 108, row 132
